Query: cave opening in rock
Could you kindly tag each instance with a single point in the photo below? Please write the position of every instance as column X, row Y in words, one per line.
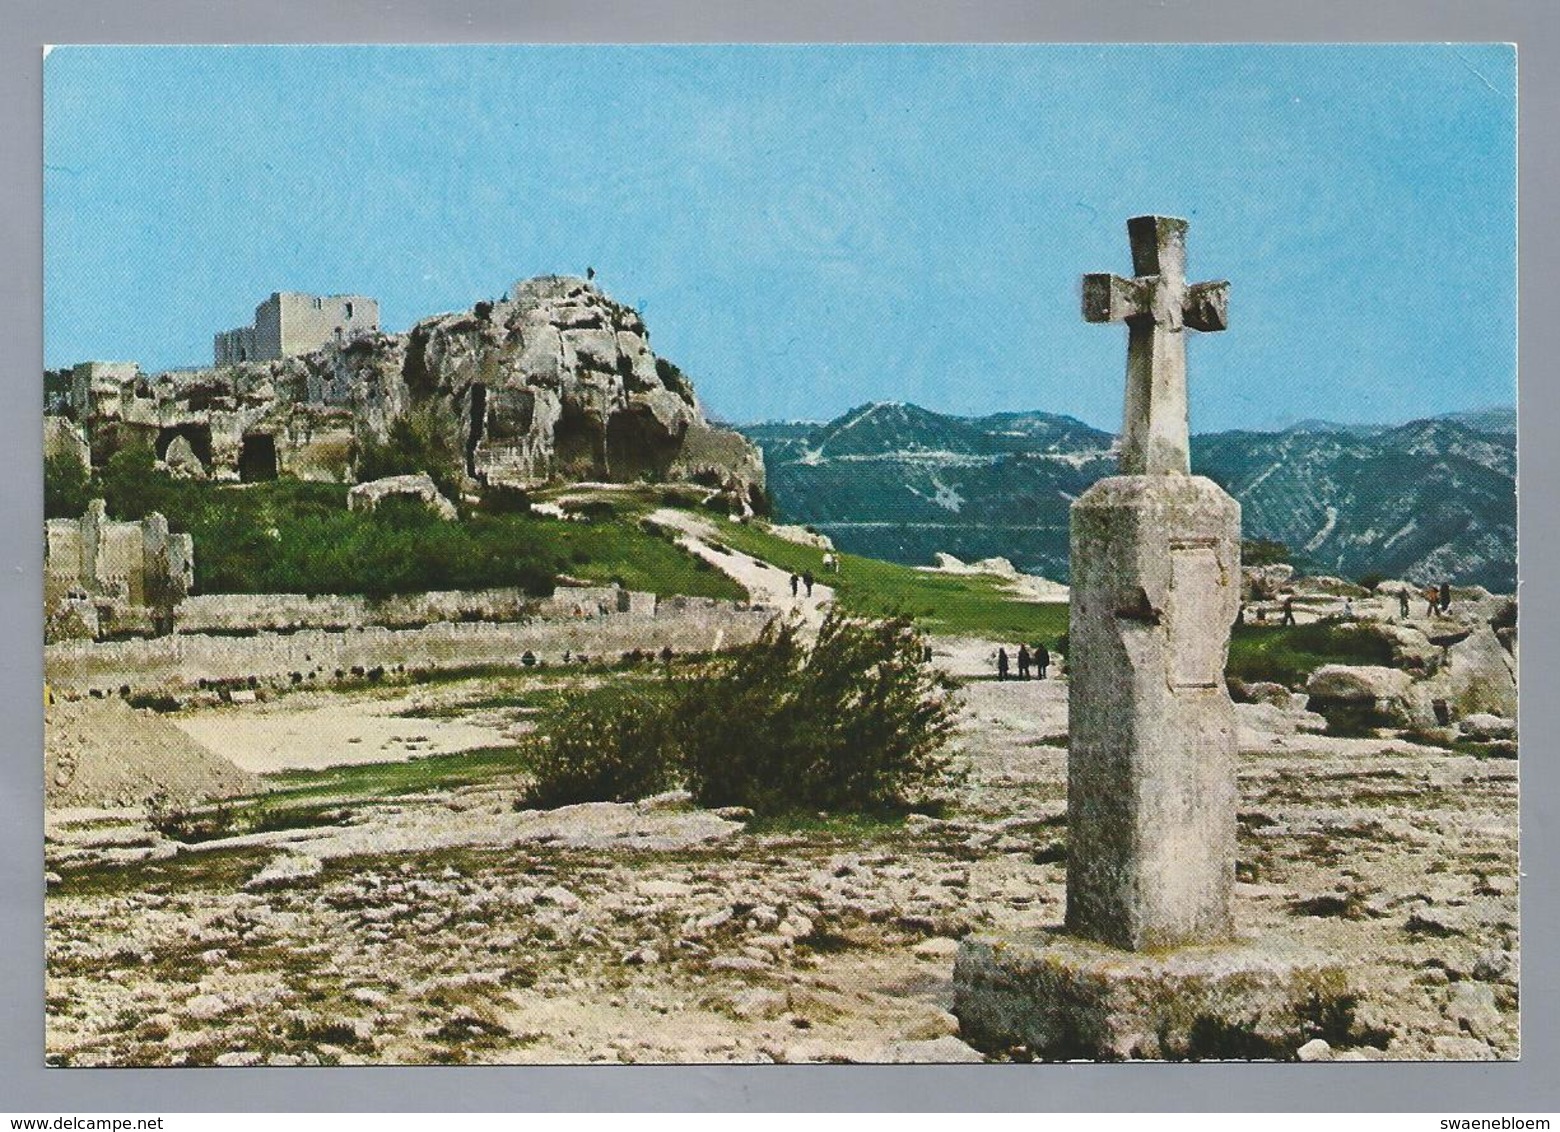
column 476, row 425
column 579, row 446
column 639, row 446
column 257, row 458
column 197, row 436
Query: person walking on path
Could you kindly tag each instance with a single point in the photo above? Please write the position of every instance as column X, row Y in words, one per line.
column 795, row 581
column 807, row 580
column 1042, row 660
column 1023, row 662
column 1432, row 599
column 1446, row 596
column 1403, row 604
column 1002, row 664
column 1289, row 610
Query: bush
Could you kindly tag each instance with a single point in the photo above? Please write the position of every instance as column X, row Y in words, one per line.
column 420, row 440
column 133, row 487
column 855, row 722
column 67, row 488
column 613, row 746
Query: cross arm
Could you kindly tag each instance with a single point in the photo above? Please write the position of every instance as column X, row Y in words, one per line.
column 1207, row 306
column 1110, row 298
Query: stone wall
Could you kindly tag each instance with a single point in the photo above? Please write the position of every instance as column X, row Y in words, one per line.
column 286, row 613
column 140, row 563
column 315, row 658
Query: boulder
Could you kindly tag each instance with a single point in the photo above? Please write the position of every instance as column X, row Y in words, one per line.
column 1368, row 694
column 74, row 619
column 182, row 461
column 368, row 496
column 1325, row 585
column 1394, row 586
column 1260, row 582
column 1483, row 726
column 1357, row 683
column 1477, row 676
column 1411, row 649
column 1267, row 692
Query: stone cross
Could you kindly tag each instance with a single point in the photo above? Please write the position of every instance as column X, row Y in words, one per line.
column 1155, row 565
column 1156, row 304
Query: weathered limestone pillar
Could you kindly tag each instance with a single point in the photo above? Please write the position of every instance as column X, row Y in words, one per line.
column 1148, row 965
column 1151, row 755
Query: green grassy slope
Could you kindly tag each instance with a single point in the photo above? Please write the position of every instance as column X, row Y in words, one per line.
column 940, row 603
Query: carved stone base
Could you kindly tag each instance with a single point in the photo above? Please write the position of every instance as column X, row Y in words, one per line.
column 1055, row 997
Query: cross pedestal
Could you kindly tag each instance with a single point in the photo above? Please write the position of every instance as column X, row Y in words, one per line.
column 1151, row 787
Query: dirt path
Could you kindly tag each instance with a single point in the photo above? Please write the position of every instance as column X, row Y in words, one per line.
column 765, row 583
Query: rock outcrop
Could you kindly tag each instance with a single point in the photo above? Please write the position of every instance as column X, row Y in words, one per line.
column 555, row 382
column 368, row 496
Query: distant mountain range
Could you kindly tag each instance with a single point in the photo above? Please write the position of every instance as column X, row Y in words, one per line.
column 1428, row 500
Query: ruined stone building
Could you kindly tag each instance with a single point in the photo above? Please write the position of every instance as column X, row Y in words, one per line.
column 105, row 575
column 290, row 323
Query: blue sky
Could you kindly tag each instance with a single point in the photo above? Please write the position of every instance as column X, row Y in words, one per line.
column 806, row 229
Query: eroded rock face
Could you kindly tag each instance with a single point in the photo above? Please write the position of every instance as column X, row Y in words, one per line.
column 555, row 382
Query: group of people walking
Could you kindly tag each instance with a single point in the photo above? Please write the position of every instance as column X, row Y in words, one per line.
column 1039, row 659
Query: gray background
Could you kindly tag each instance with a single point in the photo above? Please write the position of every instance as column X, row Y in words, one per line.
column 25, row 1086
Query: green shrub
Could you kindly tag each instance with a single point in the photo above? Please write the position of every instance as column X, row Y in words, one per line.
column 420, row 440
column 1287, row 654
column 67, row 488
column 613, row 746
column 133, row 487
column 855, row 722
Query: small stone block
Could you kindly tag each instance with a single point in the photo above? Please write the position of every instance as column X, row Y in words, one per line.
column 1064, row 998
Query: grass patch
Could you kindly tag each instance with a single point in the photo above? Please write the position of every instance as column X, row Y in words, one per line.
column 308, row 799
column 939, row 603
column 1288, row 654
column 381, row 780
column 287, row 536
column 217, row 869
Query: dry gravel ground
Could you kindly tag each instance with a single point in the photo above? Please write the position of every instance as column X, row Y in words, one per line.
column 449, row 927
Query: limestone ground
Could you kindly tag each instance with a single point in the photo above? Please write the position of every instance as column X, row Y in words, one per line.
column 447, row 926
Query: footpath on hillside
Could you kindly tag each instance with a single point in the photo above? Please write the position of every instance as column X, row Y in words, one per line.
column 765, row 583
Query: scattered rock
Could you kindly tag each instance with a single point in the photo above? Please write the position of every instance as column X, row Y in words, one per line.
column 368, row 496
column 284, row 870
column 939, row 948
column 239, row 1057
column 1472, row 1006
column 204, row 1007
column 931, row 1025
column 1448, row 1048
column 939, row 1051
column 759, row 1002
column 1482, row 725
column 1315, row 1050
column 557, row 894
